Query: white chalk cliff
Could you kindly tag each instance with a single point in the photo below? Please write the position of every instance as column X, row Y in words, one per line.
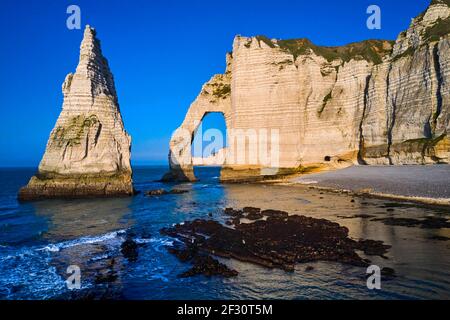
column 88, row 152
column 372, row 102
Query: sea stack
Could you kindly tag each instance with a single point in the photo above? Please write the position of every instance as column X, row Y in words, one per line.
column 88, row 152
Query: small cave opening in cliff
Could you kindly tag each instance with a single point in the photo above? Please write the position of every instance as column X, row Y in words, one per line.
column 208, row 146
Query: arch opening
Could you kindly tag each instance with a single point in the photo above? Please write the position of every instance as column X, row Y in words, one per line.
column 208, row 148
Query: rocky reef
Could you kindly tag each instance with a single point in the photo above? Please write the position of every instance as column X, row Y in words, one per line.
column 279, row 241
column 88, row 152
column 374, row 102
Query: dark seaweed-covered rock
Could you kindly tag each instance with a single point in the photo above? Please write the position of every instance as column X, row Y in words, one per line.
column 398, row 205
column 275, row 213
column 251, row 210
column 281, row 241
column 254, row 216
column 427, row 223
column 373, row 248
column 105, row 277
column 185, row 254
column 202, row 263
column 434, row 223
column 404, row 222
column 208, row 266
column 158, row 192
column 388, row 272
column 161, row 192
column 439, row 238
column 178, row 191
column 357, row 216
column 129, row 249
column 233, row 213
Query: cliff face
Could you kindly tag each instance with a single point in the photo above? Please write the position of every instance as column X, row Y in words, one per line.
column 407, row 116
column 88, row 152
column 373, row 102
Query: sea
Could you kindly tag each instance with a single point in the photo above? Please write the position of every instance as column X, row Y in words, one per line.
column 42, row 241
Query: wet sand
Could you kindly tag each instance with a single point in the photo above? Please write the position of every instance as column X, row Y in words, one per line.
column 429, row 184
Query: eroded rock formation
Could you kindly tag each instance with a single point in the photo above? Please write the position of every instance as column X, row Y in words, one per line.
column 214, row 97
column 88, row 152
column 279, row 241
column 373, row 102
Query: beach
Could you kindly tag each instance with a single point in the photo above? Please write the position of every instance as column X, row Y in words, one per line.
column 428, row 184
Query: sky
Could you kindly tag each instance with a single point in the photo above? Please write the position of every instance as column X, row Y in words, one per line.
column 160, row 52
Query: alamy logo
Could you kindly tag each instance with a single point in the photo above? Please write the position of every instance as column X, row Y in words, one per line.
column 374, row 20
column 74, row 280
column 74, row 20
column 374, row 280
column 245, row 147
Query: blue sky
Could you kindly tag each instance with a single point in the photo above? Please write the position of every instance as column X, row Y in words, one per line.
column 160, row 52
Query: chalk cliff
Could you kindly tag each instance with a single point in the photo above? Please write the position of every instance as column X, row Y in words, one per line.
column 372, row 102
column 88, row 152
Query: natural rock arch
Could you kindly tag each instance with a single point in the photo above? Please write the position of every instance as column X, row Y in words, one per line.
column 214, row 98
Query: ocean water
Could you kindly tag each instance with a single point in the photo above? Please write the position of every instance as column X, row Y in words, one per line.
column 39, row 240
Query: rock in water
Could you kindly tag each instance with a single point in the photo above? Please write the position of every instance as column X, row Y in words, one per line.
column 278, row 242
column 208, row 266
column 88, row 152
column 129, row 249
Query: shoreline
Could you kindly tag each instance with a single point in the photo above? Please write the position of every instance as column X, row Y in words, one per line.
column 435, row 202
column 401, row 183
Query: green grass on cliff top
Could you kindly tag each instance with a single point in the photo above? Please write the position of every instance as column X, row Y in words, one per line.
column 369, row 50
column 447, row 2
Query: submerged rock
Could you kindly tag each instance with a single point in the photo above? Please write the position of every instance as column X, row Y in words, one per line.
column 388, row 272
column 129, row 249
column 106, row 277
column 178, row 191
column 203, row 264
column 434, row 223
column 232, row 212
column 108, row 274
column 439, row 238
column 161, row 192
column 275, row 213
column 158, row 192
column 208, row 266
column 187, row 254
column 358, row 216
column 251, row 210
column 372, row 247
column 427, row 223
column 254, row 216
column 279, row 242
column 88, row 152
